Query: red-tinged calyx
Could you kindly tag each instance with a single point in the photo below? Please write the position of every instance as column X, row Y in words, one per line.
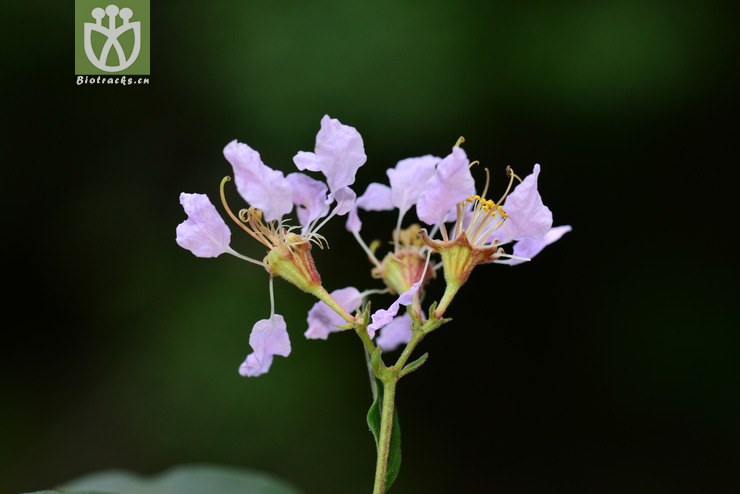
column 289, row 255
column 399, row 270
column 292, row 261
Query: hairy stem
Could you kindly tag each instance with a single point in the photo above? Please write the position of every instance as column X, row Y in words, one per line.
column 384, row 441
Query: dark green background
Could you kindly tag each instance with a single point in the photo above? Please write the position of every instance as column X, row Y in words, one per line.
column 610, row 365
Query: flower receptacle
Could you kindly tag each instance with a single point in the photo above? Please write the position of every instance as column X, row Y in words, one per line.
column 294, row 263
column 459, row 258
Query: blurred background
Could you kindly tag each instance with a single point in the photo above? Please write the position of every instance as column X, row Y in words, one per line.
column 610, row 364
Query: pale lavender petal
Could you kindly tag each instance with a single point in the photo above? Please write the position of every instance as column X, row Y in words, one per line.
column 409, row 178
column 395, row 334
column 259, row 185
column 528, row 216
column 269, row 337
column 339, row 152
column 383, row 317
column 345, row 198
column 322, row 320
column 353, row 224
column 309, row 196
column 377, row 197
column 204, row 233
column 529, row 247
column 451, row 183
column 305, row 160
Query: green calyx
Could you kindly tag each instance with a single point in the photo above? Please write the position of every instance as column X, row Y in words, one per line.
column 295, row 265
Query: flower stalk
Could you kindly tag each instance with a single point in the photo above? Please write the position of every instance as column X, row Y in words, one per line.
column 386, row 430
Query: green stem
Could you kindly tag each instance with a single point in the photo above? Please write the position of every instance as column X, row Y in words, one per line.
column 384, row 441
column 416, row 337
column 320, row 293
column 449, row 294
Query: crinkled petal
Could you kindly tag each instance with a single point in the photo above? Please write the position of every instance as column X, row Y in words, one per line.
column 353, row 224
column 383, row 317
column 269, row 337
column 528, row 216
column 451, row 183
column 345, row 198
column 322, row 320
column 339, row 152
column 259, row 185
column 395, row 334
column 409, row 178
column 377, row 197
column 529, row 247
column 309, row 196
column 204, row 233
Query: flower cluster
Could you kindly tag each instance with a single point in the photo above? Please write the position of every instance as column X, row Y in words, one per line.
column 463, row 228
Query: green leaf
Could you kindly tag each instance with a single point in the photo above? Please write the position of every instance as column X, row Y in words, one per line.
column 187, row 479
column 67, row 492
column 373, row 415
column 411, row 367
column 394, row 455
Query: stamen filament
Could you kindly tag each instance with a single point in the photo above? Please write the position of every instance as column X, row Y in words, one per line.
column 331, row 215
column 367, row 250
column 443, row 229
column 233, row 216
column 509, row 256
column 458, row 222
column 512, row 176
column 310, row 227
column 272, row 298
column 374, row 291
column 488, row 180
column 433, row 231
column 487, row 232
column 246, row 216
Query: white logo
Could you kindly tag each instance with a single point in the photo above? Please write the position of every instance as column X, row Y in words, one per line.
column 112, row 33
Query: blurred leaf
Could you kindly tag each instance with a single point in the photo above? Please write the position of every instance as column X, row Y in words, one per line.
column 373, row 421
column 68, row 492
column 190, row 479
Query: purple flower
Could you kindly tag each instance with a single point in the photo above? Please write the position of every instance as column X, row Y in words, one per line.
column 204, row 233
column 269, row 337
column 309, row 196
column 409, row 179
column 383, row 317
column 322, row 319
column 529, row 247
column 527, row 215
column 259, row 185
column 451, row 183
column 345, row 198
column 395, row 334
column 339, row 152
